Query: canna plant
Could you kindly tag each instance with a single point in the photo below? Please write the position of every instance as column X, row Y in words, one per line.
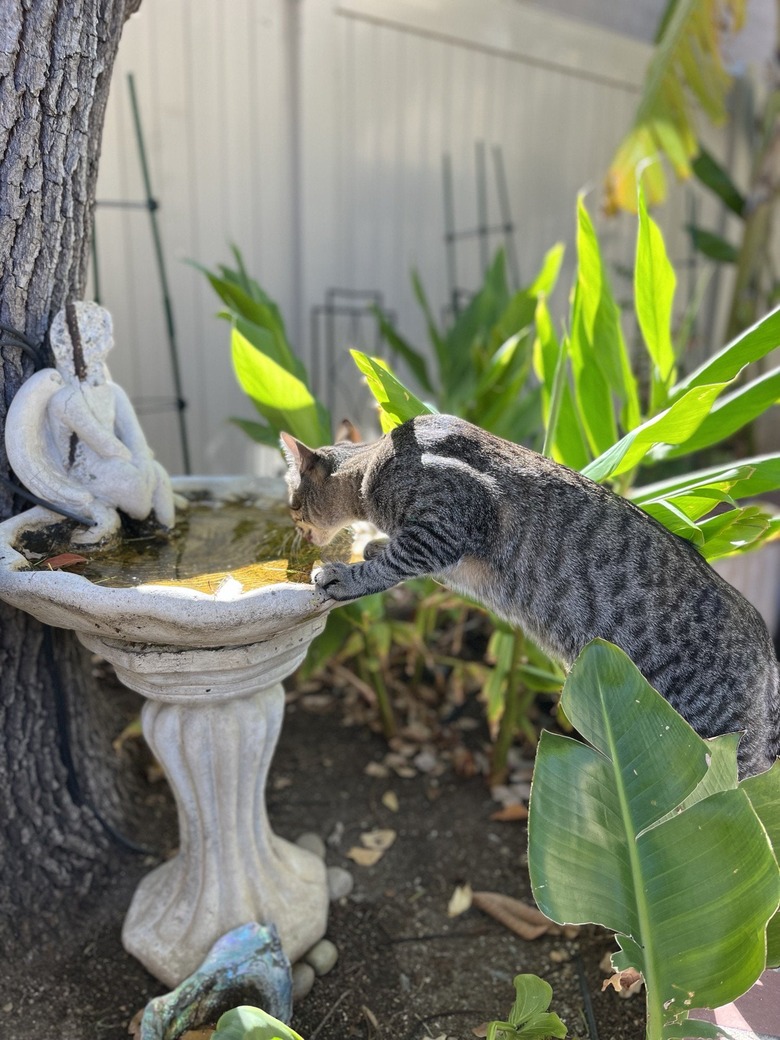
column 484, row 358
column 668, row 849
column 600, row 417
column 266, row 366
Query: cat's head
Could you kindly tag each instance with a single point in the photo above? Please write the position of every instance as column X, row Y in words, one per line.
column 320, row 501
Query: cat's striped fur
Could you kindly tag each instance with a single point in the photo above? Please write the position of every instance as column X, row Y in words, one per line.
column 552, row 552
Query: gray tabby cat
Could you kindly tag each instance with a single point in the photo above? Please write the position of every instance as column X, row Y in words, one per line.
column 550, row 551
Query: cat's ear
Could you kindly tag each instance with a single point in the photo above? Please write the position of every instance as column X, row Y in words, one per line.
column 299, row 457
column 347, row 431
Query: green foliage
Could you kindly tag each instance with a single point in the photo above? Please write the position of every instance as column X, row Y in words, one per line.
column 599, row 419
column 686, row 65
column 666, row 848
column 250, row 1023
column 265, row 364
column 483, row 359
column 529, row 1018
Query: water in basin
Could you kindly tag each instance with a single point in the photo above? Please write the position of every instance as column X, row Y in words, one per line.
column 254, row 541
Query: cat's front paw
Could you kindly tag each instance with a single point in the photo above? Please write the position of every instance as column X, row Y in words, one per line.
column 338, row 581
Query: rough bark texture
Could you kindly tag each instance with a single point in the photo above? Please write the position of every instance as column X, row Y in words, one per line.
column 57, row 782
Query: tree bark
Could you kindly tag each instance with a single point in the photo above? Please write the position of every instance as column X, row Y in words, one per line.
column 57, row 776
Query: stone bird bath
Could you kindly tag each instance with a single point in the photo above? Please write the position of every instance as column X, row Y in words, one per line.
column 208, row 654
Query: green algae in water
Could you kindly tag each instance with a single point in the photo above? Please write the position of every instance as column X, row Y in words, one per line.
column 254, row 541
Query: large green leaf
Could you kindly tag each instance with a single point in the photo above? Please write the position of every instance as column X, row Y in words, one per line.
column 413, row 358
column 734, row 531
column 563, row 435
column 690, row 896
column 281, row 397
column 470, row 329
column 603, row 343
column 654, row 285
column 729, row 414
column 675, row 425
column 396, row 402
column 745, row 479
column 751, row 345
column 764, row 794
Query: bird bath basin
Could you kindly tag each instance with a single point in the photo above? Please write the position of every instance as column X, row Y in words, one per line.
column 206, row 631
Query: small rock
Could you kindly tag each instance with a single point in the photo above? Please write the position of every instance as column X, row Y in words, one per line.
column 340, row 882
column 322, row 957
column 302, row 980
column 312, row 843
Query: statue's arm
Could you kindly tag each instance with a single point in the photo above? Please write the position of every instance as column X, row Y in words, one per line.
column 70, row 410
column 128, row 428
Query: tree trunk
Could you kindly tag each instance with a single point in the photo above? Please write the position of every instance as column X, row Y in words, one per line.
column 57, row 782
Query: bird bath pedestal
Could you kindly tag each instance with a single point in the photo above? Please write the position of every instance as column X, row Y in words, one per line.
column 210, row 665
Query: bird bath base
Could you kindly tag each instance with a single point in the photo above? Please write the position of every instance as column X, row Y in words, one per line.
column 210, row 666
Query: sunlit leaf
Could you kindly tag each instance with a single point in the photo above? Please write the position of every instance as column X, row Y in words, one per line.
column 687, row 61
column 603, row 342
column 654, row 285
column 250, row 1023
column 563, row 434
column 413, row 358
column 283, row 399
column 747, row 478
column 730, row 413
column 396, row 402
column 749, row 346
column 673, row 426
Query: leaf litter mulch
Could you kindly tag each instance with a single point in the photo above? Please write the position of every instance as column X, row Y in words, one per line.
column 427, row 939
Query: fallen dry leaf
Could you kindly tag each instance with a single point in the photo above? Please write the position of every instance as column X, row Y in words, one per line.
column 390, row 801
column 460, row 900
column 364, row 857
column 376, row 769
column 626, row 983
column 66, row 559
column 510, row 812
column 381, row 839
column 134, row 1025
column 525, row 921
column 374, row 845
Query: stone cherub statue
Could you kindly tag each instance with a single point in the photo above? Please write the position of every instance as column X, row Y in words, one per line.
column 73, row 438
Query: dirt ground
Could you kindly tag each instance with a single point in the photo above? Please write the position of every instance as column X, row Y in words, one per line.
column 406, row 970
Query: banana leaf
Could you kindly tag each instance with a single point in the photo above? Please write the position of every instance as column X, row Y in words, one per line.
column 689, row 892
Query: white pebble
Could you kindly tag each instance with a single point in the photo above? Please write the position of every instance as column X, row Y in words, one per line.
column 340, row 882
column 322, row 956
column 312, row 843
column 302, row 980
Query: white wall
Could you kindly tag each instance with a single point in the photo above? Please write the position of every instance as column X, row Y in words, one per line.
column 311, row 133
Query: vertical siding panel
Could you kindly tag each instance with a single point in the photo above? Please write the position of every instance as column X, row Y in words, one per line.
column 380, row 105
